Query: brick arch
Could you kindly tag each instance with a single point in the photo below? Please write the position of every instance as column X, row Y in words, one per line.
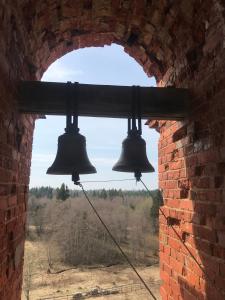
column 138, row 53
column 180, row 43
column 160, row 35
column 151, row 31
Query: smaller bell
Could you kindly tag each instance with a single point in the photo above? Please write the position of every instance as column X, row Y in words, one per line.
column 133, row 157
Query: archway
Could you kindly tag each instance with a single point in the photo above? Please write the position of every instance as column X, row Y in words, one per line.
column 181, row 44
column 114, row 67
column 108, row 65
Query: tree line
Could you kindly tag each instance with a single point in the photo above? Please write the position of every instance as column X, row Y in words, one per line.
column 73, row 235
column 63, row 193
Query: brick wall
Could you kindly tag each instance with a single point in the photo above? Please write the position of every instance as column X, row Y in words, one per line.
column 191, row 176
column 15, row 152
column 181, row 43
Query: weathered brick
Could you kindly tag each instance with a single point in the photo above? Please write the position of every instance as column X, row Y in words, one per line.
column 186, row 50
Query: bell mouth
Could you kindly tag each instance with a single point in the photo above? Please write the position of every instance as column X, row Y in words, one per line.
column 69, row 171
column 133, row 169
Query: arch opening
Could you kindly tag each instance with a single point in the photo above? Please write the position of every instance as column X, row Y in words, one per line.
column 106, row 66
column 182, row 44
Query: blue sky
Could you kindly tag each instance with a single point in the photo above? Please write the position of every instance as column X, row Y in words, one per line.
column 107, row 65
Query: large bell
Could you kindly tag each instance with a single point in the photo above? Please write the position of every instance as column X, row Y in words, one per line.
column 71, row 157
column 133, row 157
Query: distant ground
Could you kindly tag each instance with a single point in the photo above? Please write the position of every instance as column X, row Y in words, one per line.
column 83, row 279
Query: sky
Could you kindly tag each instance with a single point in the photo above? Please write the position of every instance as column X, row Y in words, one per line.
column 106, row 65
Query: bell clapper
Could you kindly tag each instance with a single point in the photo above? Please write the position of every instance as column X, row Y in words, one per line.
column 137, row 176
column 76, row 178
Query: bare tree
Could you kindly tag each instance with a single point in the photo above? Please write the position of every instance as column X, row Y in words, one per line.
column 27, row 276
column 73, row 233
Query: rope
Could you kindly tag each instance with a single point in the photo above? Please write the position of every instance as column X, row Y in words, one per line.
column 115, row 242
column 181, row 240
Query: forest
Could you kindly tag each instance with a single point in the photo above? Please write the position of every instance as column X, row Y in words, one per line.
column 63, row 219
column 63, row 233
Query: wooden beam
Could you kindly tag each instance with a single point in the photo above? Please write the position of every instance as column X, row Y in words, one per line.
column 36, row 97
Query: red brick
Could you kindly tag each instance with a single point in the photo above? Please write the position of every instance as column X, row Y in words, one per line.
column 12, row 200
column 174, row 243
column 163, row 293
column 164, row 276
column 187, row 205
column 176, row 54
column 176, row 265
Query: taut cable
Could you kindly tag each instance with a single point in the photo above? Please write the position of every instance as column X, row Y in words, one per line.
column 115, row 242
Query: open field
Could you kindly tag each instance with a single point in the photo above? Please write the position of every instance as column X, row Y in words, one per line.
column 82, row 279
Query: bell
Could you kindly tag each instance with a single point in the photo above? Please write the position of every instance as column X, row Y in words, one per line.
column 71, row 157
column 133, row 157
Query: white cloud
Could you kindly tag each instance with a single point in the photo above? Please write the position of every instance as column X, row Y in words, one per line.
column 59, row 72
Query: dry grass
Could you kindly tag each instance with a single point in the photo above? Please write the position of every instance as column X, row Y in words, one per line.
column 83, row 278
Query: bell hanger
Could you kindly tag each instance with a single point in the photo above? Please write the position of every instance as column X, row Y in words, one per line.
column 71, row 157
column 133, row 156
